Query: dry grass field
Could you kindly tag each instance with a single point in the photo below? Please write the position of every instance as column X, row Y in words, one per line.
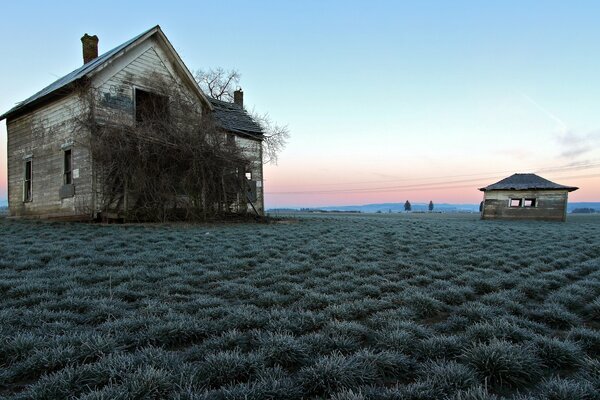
column 330, row 306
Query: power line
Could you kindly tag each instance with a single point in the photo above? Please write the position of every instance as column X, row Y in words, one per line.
column 574, row 166
column 425, row 186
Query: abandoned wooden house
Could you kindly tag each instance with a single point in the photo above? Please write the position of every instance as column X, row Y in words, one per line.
column 51, row 175
column 525, row 196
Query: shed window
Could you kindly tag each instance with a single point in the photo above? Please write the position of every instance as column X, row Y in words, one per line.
column 150, row 106
column 68, row 168
column 529, row 203
column 27, row 193
column 515, row 202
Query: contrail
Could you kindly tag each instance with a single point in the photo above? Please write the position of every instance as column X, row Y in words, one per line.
column 545, row 111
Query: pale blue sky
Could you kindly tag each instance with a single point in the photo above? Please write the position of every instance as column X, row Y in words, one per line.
column 374, row 92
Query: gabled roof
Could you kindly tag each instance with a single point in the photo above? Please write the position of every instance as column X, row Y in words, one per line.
column 526, row 182
column 234, row 118
column 88, row 69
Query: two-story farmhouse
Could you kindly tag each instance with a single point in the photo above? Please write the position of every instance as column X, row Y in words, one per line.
column 50, row 172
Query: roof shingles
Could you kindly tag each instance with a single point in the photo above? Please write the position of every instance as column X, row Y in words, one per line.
column 229, row 116
column 71, row 77
column 527, row 182
column 234, row 118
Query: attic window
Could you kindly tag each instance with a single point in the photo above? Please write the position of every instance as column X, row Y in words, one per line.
column 515, row 202
column 150, row 106
column 529, row 203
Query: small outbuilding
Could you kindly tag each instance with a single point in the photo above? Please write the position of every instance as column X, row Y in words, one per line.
column 525, row 196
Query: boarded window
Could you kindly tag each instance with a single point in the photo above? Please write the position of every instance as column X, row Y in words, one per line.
column 68, row 168
column 529, row 203
column 150, row 106
column 27, row 192
column 515, row 202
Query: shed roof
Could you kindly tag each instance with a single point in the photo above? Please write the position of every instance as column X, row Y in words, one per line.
column 234, row 118
column 90, row 67
column 526, row 182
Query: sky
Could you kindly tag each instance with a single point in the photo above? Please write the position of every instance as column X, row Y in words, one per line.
column 385, row 101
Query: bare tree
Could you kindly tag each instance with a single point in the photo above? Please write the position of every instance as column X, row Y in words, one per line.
column 220, row 84
column 275, row 136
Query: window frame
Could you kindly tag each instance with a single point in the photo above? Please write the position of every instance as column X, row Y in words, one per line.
column 231, row 139
column 523, row 202
column 68, row 172
column 510, row 202
column 533, row 201
column 28, row 183
column 135, row 101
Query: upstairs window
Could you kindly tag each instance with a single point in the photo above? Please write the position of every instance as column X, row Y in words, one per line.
column 68, row 168
column 230, row 139
column 150, row 106
column 27, row 192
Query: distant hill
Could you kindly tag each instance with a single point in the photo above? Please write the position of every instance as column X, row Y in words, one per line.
column 397, row 207
column 443, row 207
column 594, row 205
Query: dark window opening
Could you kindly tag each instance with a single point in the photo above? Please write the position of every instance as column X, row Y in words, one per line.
column 68, row 174
column 150, row 106
column 230, row 139
column 27, row 192
column 529, row 203
column 515, row 202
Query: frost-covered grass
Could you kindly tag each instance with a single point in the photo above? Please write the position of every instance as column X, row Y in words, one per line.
column 332, row 306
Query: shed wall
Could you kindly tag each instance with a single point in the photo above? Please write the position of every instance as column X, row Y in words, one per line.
column 551, row 205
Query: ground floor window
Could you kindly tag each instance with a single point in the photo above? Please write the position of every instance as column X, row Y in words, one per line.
column 68, row 168
column 27, row 192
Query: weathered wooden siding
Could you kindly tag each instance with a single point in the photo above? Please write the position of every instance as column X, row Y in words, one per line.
column 551, row 205
column 42, row 134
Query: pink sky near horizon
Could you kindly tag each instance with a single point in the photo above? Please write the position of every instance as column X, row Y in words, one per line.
column 282, row 193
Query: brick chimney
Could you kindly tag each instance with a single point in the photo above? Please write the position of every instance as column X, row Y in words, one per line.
column 90, row 47
column 238, row 97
